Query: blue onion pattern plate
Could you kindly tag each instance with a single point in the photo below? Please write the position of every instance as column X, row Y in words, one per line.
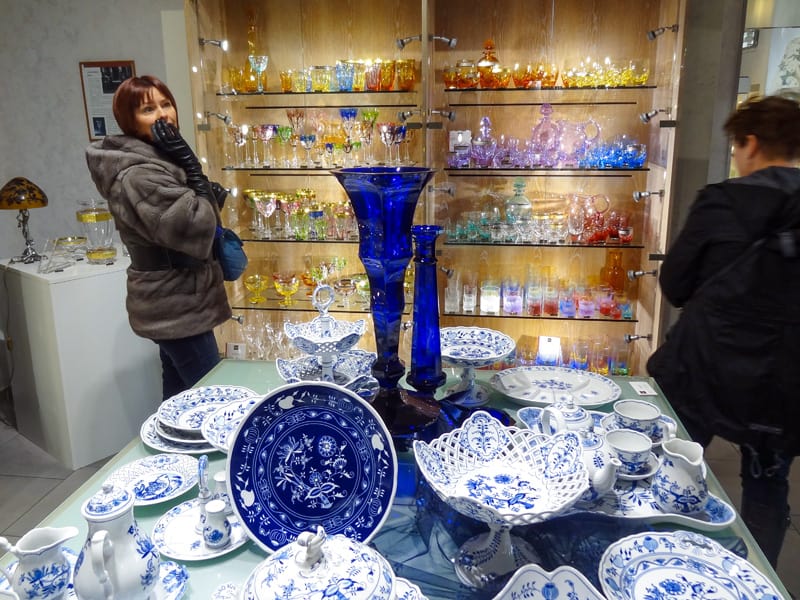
column 186, row 411
column 175, row 535
column 680, row 565
column 474, row 346
column 218, row 427
column 540, row 384
column 532, row 582
column 172, row 579
column 311, row 454
column 158, row 478
column 151, row 438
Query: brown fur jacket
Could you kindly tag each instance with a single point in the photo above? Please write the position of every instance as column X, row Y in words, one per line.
column 152, row 205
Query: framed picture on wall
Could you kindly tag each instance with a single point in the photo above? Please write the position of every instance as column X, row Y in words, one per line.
column 99, row 80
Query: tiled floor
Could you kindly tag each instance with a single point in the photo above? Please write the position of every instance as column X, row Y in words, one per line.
column 32, row 484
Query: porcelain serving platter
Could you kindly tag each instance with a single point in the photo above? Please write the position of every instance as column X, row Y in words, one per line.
column 532, row 582
column 186, row 411
column 679, row 565
column 158, row 478
column 307, row 454
column 175, row 535
column 634, row 500
column 541, row 385
column 150, row 438
column 172, row 579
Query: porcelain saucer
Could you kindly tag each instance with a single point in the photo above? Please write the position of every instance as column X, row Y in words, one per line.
column 158, row 478
column 152, row 439
column 226, row 591
column 172, row 579
column 405, row 590
column 609, row 423
column 175, row 536
column 652, row 466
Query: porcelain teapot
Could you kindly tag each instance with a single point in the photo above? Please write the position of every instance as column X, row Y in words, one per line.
column 118, row 561
column 43, row 571
column 679, row 485
column 601, row 464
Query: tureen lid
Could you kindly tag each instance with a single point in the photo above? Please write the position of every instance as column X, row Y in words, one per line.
column 108, row 503
column 317, row 564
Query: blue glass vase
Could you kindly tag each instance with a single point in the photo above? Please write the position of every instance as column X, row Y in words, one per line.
column 384, row 200
column 426, row 372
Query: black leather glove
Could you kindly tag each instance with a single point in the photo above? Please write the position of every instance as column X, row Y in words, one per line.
column 169, row 140
column 220, row 194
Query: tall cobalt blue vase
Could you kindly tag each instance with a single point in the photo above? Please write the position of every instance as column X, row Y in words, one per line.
column 426, row 372
column 384, row 200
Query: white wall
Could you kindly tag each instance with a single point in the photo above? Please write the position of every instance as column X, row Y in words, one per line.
column 43, row 131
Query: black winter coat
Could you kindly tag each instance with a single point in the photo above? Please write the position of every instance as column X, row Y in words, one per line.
column 729, row 366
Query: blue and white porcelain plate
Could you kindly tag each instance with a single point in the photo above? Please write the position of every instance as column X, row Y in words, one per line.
column 405, row 590
column 346, row 367
column 542, row 385
column 158, row 478
column 634, row 500
column 532, row 582
column 172, row 579
column 474, row 346
column 311, row 454
column 185, row 411
column 218, row 427
column 175, row 535
column 680, row 565
column 150, row 438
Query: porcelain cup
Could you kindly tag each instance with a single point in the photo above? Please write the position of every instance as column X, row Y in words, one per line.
column 637, row 415
column 632, row 448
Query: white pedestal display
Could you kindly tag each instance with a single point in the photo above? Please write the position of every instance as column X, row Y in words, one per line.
column 83, row 382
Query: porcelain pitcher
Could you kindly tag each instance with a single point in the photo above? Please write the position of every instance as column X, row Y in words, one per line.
column 43, row 571
column 679, row 485
column 118, row 560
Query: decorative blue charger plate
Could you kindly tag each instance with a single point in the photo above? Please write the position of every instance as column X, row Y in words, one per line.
column 308, row 454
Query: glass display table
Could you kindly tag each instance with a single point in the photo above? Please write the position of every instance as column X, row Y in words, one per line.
column 421, row 535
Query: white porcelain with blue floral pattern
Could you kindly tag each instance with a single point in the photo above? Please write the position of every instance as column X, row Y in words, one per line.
column 118, row 559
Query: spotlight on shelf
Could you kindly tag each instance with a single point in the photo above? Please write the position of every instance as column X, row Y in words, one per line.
column 223, row 44
column 634, row 275
column 451, row 42
column 450, row 115
column 401, row 42
column 642, row 195
column 630, row 337
column 654, row 33
column 224, row 118
column 646, row 117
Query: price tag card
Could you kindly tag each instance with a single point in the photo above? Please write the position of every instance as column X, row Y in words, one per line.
column 642, row 388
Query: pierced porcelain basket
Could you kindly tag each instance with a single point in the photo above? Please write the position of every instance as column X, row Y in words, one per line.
column 505, row 477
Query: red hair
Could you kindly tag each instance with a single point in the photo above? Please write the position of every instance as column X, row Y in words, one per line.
column 129, row 97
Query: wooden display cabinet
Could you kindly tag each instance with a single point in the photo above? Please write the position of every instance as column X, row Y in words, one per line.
column 304, row 33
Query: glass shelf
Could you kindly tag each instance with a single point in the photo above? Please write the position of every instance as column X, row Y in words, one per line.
column 542, row 172
column 482, row 315
column 636, row 246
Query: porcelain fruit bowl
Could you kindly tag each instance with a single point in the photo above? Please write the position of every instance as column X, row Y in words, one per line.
column 505, row 477
column 471, row 348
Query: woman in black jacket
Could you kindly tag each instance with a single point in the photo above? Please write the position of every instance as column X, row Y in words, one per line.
column 728, row 366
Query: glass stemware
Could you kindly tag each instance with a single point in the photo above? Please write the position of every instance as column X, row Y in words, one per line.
column 307, row 141
column 258, row 62
column 284, row 135
column 387, row 133
column 286, row 284
column 265, row 133
column 266, row 203
column 256, row 284
column 345, row 286
column 368, row 118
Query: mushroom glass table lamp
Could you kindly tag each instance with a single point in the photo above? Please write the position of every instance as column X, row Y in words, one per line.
column 21, row 194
